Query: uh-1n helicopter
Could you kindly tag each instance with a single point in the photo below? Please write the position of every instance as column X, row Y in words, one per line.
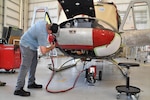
column 94, row 30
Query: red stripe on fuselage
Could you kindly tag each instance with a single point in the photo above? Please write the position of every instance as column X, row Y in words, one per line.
column 76, row 47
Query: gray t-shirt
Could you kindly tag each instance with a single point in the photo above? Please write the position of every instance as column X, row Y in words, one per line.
column 35, row 36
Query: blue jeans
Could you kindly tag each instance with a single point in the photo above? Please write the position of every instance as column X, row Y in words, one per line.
column 28, row 64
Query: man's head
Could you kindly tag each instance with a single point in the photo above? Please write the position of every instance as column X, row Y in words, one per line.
column 53, row 27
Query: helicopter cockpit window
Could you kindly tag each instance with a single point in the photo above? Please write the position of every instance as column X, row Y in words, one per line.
column 77, row 23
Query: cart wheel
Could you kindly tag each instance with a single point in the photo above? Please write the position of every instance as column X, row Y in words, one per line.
column 100, row 75
column 7, row 70
column 12, row 71
column 118, row 96
column 137, row 96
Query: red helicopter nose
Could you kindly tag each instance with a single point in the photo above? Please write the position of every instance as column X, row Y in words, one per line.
column 102, row 37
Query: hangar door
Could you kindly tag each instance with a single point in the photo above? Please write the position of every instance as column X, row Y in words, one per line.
column 12, row 13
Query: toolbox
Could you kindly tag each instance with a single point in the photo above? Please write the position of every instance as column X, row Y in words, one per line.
column 10, row 57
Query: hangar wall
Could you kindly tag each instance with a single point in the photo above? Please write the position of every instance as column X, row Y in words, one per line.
column 10, row 14
column 19, row 13
column 1, row 15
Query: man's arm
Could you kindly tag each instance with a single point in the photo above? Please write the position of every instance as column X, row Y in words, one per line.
column 45, row 49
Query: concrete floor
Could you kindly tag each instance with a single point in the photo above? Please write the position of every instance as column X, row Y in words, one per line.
column 104, row 89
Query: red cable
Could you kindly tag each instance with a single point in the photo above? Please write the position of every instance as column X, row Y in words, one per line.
column 60, row 91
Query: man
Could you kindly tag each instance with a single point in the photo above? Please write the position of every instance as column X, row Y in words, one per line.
column 36, row 36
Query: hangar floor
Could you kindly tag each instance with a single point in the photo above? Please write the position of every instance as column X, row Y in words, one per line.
column 104, row 89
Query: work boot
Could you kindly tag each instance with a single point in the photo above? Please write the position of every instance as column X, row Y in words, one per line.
column 34, row 86
column 21, row 92
column 2, row 83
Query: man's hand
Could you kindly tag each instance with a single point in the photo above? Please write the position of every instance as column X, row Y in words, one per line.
column 52, row 45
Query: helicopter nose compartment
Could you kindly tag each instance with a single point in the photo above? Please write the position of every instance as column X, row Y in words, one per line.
column 102, row 37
